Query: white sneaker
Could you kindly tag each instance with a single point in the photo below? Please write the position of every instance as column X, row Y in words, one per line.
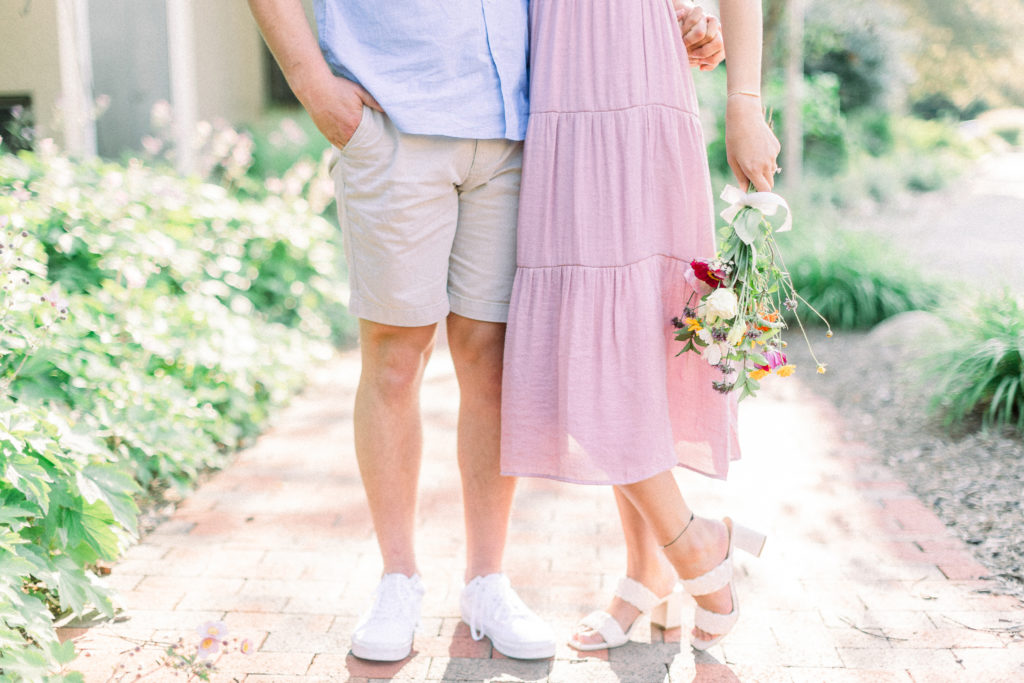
column 492, row 609
column 385, row 633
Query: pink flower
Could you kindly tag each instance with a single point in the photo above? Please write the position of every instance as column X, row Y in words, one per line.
column 245, row 647
column 207, row 646
column 775, row 358
column 213, row 629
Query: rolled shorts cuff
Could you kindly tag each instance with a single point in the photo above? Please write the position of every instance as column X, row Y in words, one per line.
column 486, row 311
column 415, row 317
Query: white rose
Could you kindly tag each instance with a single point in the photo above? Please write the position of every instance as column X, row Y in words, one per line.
column 722, row 304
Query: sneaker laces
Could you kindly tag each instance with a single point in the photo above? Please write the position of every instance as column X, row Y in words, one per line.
column 501, row 602
column 395, row 601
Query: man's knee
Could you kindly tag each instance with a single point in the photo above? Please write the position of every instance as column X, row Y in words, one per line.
column 394, row 357
column 476, row 343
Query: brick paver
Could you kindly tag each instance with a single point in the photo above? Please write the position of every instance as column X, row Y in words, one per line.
column 859, row 580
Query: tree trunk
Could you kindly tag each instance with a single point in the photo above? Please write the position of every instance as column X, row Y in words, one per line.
column 793, row 134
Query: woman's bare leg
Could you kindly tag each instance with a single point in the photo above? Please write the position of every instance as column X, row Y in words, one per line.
column 700, row 549
column 644, row 563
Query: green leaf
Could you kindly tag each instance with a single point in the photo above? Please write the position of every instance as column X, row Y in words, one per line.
column 98, row 529
column 747, row 225
column 114, row 487
column 71, row 584
column 10, row 513
column 14, row 566
column 27, row 476
column 62, row 653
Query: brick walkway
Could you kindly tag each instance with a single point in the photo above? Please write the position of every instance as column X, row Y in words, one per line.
column 859, row 581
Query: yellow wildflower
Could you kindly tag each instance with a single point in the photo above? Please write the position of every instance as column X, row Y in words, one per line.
column 758, row 374
column 692, row 324
column 821, row 369
column 786, row 370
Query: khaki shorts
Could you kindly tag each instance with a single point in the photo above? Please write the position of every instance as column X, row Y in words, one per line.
column 429, row 223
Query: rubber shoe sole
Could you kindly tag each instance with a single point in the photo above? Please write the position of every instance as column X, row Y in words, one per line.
column 377, row 652
column 523, row 650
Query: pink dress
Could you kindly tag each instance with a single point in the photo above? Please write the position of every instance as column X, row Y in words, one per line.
column 615, row 202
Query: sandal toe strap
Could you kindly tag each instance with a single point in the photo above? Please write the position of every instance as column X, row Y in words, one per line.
column 637, row 594
column 714, row 580
column 604, row 624
column 714, row 622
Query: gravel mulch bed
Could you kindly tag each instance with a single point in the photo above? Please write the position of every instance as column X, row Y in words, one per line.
column 974, row 482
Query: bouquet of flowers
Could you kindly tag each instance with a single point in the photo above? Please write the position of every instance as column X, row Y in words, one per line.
column 737, row 318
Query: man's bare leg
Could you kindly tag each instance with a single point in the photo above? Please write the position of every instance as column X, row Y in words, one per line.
column 477, row 349
column 389, row 434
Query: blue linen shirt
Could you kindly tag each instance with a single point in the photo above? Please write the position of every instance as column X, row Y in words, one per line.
column 438, row 67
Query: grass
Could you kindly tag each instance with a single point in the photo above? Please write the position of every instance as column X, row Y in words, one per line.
column 978, row 373
column 855, row 281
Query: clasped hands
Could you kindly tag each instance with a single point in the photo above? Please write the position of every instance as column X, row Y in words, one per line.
column 702, row 35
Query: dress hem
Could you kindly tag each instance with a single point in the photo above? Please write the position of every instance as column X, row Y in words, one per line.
column 567, row 480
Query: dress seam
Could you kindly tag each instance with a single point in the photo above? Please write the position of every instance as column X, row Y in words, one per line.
column 617, row 265
column 646, row 105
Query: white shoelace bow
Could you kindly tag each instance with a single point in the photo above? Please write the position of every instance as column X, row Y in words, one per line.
column 502, row 603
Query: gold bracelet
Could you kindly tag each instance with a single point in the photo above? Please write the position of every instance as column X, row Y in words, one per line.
column 748, row 93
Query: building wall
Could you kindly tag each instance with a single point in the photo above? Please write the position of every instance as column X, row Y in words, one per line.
column 29, row 60
column 230, row 69
column 130, row 66
column 130, row 63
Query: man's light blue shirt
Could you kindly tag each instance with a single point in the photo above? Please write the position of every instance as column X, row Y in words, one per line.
column 438, row 67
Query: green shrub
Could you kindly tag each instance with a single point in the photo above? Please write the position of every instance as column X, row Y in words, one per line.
column 855, row 281
column 862, row 44
column 280, row 138
column 148, row 326
column 978, row 371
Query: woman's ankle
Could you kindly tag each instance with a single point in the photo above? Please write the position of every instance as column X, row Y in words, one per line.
column 700, row 549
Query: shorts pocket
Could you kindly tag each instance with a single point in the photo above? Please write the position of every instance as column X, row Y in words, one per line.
column 365, row 121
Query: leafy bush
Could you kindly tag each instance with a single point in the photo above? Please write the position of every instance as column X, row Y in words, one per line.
column 855, row 281
column 148, row 325
column 861, row 44
column 979, row 371
column 281, row 137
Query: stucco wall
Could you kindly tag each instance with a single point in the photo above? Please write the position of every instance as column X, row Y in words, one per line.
column 29, row 61
column 229, row 61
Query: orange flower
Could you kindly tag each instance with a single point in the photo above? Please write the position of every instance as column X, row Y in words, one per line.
column 758, row 374
column 692, row 324
column 786, row 370
column 771, row 317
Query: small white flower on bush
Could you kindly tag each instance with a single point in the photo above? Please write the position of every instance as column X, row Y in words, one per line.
column 722, row 304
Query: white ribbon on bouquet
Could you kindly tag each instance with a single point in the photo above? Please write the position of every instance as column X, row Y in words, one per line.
column 767, row 203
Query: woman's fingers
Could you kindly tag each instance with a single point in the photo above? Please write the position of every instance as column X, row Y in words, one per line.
column 741, row 178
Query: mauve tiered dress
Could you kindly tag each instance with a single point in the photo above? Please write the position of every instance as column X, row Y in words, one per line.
column 615, row 202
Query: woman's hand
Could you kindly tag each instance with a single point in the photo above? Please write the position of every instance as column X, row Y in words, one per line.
column 702, row 36
column 750, row 145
